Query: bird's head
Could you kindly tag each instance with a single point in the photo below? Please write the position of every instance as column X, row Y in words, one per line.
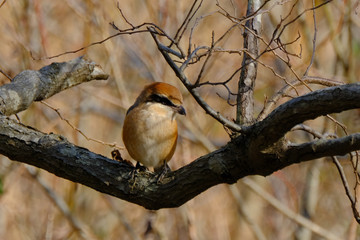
column 161, row 93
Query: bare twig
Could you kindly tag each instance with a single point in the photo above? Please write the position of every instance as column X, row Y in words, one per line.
column 250, row 16
column 288, row 212
column 90, row 45
column 123, row 16
column 134, row 235
column 206, row 61
column 112, row 145
column 2, row 3
column 84, row 231
column 180, row 74
column 228, row 99
column 314, row 42
column 299, row 15
column 171, row 51
column 6, row 75
column 192, row 31
column 246, row 214
column 306, row 79
column 352, row 199
column 190, row 57
column 307, row 129
column 183, row 26
column 347, row 189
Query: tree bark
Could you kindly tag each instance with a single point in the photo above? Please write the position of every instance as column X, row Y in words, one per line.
column 256, row 151
column 246, row 85
column 30, row 85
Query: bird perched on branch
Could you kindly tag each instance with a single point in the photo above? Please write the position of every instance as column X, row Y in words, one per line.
column 150, row 129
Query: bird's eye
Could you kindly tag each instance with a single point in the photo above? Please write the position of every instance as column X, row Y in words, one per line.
column 160, row 99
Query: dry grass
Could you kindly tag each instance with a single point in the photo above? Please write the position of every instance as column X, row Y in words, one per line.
column 47, row 28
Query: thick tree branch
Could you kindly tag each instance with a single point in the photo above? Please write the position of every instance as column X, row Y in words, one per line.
column 312, row 105
column 322, row 148
column 226, row 165
column 319, row 148
column 30, row 85
column 58, row 156
column 247, row 154
column 270, row 104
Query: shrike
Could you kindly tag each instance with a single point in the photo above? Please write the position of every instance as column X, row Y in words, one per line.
column 150, row 129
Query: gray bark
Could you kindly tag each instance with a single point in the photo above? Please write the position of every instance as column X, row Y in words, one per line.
column 259, row 150
column 30, row 85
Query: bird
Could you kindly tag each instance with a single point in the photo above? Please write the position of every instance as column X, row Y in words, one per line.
column 150, row 129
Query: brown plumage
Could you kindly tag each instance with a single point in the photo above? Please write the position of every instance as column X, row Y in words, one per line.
column 150, row 128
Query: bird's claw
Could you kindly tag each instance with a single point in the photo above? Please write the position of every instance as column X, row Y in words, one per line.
column 162, row 171
column 140, row 167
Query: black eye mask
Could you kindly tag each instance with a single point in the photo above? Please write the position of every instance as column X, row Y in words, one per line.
column 160, row 99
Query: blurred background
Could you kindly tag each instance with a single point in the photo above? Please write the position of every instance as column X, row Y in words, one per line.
column 37, row 205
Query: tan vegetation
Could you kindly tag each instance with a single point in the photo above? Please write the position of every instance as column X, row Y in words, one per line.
column 37, row 205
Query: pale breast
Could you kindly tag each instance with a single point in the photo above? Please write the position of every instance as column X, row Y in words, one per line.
column 150, row 134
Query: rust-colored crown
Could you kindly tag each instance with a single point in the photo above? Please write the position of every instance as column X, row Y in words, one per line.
column 164, row 89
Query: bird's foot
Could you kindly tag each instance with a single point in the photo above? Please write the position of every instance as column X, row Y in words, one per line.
column 138, row 168
column 162, row 171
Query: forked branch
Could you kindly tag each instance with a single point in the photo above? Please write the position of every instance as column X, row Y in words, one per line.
column 237, row 159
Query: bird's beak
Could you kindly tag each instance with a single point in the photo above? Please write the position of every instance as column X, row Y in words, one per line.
column 180, row 110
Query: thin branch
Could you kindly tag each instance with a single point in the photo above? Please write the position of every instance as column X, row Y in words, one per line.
column 2, row 3
column 192, row 30
column 352, row 199
column 6, row 75
column 189, row 16
column 309, row 106
column 347, row 189
column 112, row 145
column 291, row 86
column 123, row 16
column 128, row 31
column 288, row 212
column 171, row 51
column 322, row 148
column 245, row 213
column 229, row 95
column 84, row 231
column 90, row 45
column 180, row 74
column 206, row 61
column 308, row 129
column 250, row 16
column 121, row 216
column 190, row 57
column 314, row 42
column 222, row 82
column 299, row 15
